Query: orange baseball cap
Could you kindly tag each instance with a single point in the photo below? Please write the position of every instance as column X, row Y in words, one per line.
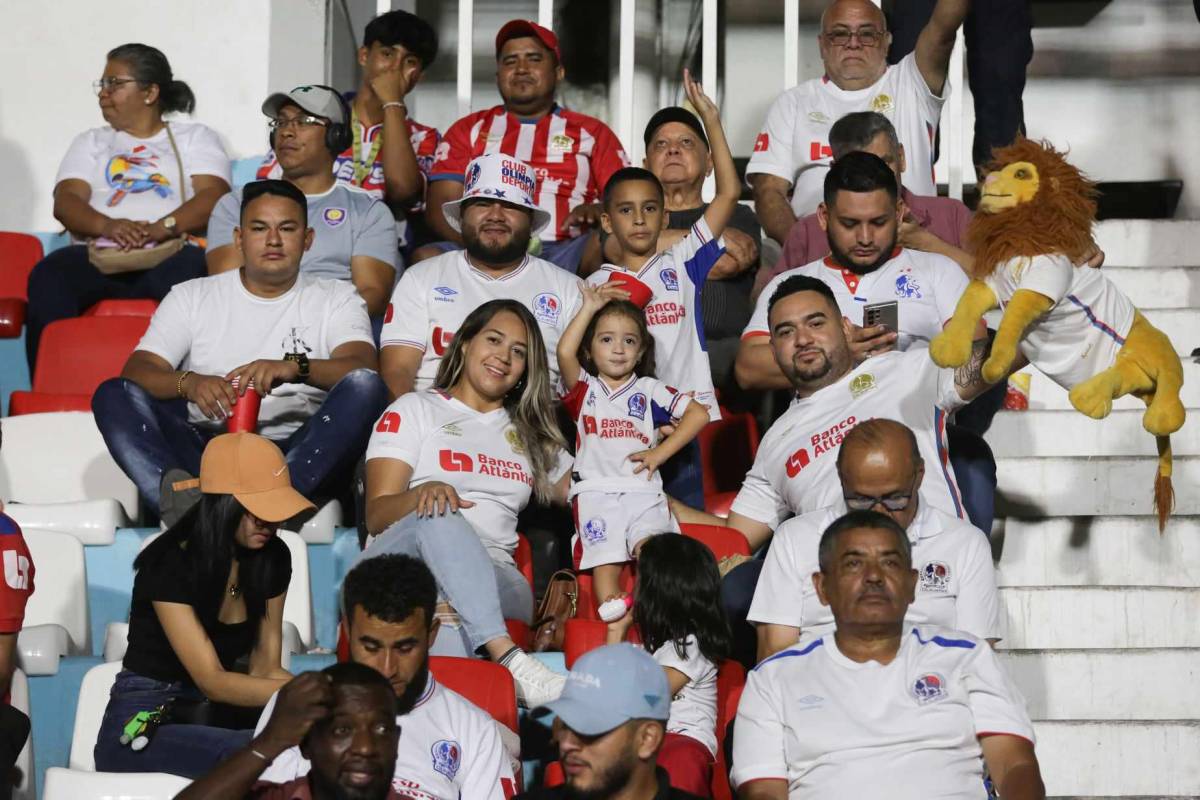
column 252, row 469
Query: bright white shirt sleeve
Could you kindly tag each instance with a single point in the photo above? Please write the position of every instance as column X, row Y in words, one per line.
column 80, row 161
column 223, row 219
column 758, row 498
column 408, row 315
column 940, row 379
column 758, row 734
column 779, row 594
column 773, row 147
column 949, row 283
column 693, row 664
column 488, row 775
column 977, row 605
column 698, row 251
column 204, row 154
column 400, row 432
column 171, row 328
column 672, row 403
column 913, row 77
column 288, row 765
column 562, row 465
column 348, row 320
column 996, row 703
column 1047, row 275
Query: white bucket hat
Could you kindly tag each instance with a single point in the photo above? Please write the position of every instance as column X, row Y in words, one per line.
column 497, row 176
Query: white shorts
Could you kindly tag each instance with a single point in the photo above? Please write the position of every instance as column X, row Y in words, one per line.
column 610, row 525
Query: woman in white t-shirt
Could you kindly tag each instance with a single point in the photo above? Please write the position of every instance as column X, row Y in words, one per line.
column 119, row 186
column 449, row 469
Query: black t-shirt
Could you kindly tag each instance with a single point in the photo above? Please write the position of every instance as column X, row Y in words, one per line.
column 724, row 305
column 665, row 791
column 171, row 579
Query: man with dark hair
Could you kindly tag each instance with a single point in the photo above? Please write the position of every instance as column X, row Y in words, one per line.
column 303, row 343
column 449, row 747
column 354, row 235
column 879, row 706
column 573, row 155
column 342, row 718
column 880, row 469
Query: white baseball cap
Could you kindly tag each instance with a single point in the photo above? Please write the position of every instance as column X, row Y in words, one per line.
column 496, row 176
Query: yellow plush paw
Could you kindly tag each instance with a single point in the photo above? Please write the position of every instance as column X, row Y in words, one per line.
column 1093, row 397
column 948, row 350
column 1164, row 416
column 996, row 368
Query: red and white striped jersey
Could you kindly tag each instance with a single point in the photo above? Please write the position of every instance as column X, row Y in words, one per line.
column 573, row 155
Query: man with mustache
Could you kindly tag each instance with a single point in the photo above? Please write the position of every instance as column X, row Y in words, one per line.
column 880, row 707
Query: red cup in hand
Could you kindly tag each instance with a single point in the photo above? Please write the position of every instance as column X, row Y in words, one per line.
column 639, row 293
column 244, row 418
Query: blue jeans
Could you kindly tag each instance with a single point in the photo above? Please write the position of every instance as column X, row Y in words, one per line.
column 187, row 750
column 483, row 591
column 683, row 476
column 737, row 593
column 975, row 468
column 147, row 436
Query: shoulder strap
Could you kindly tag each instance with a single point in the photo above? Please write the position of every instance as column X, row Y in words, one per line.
column 178, row 163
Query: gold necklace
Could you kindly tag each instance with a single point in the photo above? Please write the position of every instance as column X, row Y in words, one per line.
column 234, row 590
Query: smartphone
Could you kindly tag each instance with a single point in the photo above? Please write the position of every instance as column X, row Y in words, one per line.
column 882, row 314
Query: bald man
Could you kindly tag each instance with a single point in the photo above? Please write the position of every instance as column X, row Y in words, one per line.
column 792, row 152
column 880, row 469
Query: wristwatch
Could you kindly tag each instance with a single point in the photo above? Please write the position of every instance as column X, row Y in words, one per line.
column 301, row 360
column 169, row 223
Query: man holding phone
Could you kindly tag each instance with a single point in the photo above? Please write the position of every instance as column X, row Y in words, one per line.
column 893, row 297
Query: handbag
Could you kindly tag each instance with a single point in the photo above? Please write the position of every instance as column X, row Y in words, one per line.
column 559, row 604
column 114, row 260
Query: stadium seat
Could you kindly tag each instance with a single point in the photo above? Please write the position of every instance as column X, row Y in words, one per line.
column 19, row 252
column 92, row 522
column 520, row 633
column 553, row 776
column 720, row 503
column 586, row 603
column 60, row 458
column 297, row 606
column 89, row 712
column 58, row 601
column 72, row 784
column 731, row 679
column 721, row 541
column 319, row 527
column 582, row 635
column 75, row 356
column 523, row 557
column 25, row 786
column 727, row 450
column 123, row 308
column 485, row 683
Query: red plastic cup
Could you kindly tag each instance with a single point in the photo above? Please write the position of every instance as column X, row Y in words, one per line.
column 639, row 293
column 245, row 411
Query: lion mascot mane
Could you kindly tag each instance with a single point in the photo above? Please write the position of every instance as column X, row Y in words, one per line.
column 1034, row 224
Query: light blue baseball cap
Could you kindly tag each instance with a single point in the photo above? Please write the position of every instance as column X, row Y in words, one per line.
column 608, row 687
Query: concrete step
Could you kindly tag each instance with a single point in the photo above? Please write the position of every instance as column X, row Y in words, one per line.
column 1021, row 434
column 1148, row 243
column 1158, row 287
column 1155, row 684
column 1085, row 487
column 1100, row 617
column 1119, row 759
column 1046, row 394
column 1098, row 551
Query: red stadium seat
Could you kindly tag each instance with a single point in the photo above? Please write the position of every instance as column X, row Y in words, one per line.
column 484, row 683
column 553, row 776
column 19, row 252
column 731, row 679
column 77, row 355
column 720, row 503
column 727, row 450
column 523, row 556
column 586, row 605
column 582, row 635
column 123, row 308
column 722, row 541
column 21, row 402
column 520, row 633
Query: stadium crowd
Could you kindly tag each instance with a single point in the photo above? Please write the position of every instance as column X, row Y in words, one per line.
column 505, row 327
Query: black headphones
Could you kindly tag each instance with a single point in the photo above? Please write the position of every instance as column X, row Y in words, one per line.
column 338, row 136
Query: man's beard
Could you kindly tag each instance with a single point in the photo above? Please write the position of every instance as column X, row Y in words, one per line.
column 608, row 781
column 842, row 258
column 495, row 254
column 412, row 692
column 802, row 375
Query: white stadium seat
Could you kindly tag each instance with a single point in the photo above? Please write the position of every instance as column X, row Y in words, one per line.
column 69, row 784
column 93, row 522
column 59, row 601
column 19, row 697
column 60, row 457
column 319, row 529
column 89, row 712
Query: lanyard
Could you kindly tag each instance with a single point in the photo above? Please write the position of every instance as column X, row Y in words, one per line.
column 362, row 168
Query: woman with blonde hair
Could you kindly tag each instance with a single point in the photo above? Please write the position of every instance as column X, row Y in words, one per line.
column 449, row 469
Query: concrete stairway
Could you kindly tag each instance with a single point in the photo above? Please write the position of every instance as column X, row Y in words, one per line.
column 1103, row 612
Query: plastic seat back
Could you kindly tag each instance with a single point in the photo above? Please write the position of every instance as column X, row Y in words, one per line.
column 731, row 679
column 523, row 557
column 60, row 587
column 297, row 606
column 727, row 450
column 89, row 712
column 72, row 784
column 133, row 307
column 77, row 355
column 485, row 683
column 19, row 252
column 720, row 540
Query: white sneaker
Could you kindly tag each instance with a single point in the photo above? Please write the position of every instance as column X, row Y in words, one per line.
column 536, row 683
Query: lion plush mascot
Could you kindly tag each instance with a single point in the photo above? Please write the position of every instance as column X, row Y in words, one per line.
column 1034, row 224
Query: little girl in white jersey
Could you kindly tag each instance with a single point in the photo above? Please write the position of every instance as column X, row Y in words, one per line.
column 616, row 492
column 678, row 613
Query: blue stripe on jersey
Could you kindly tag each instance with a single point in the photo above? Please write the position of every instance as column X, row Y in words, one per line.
column 789, row 653
column 8, row 525
column 1096, row 321
column 660, row 415
column 942, row 641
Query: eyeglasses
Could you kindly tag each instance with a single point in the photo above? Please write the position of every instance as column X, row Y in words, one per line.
column 279, row 123
column 867, row 37
column 109, row 84
column 893, row 502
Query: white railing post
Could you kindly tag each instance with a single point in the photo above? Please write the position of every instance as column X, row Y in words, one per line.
column 625, row 75
column 546, row 14
column 466, row 32
column 791, row 43
column 956, row 125
column 382, row 6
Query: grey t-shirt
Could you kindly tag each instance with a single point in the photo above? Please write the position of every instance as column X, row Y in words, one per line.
column 346, row 221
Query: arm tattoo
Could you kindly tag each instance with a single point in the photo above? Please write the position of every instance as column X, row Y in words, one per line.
column 969, row 378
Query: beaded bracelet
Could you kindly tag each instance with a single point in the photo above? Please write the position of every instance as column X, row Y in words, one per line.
column 397, row 104
column 179, row 383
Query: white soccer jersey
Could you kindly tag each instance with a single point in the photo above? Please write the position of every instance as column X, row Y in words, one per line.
column 956, row 587
column 677, row 277
column 795, row 470
column 926, row 287
column 478, row 454
column 910, row 730
column 794, row 142
column 613, row 424
column 694, row 708
column 449, row 749
column 434, row 297
column 1082, row 334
